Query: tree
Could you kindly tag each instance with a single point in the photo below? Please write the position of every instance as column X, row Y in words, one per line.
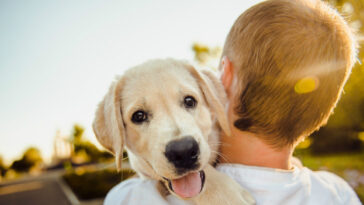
column 77, row 133
column 206, row 55
column 84, row 149
column 2, row 168
column 31, row 158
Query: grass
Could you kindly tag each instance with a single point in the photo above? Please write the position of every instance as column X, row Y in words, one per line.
column 350, row 166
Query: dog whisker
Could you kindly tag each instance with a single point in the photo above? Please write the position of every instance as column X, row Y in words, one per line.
column 216, row 143
column 220, row 155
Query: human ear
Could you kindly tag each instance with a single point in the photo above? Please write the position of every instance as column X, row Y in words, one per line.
column 227, row 75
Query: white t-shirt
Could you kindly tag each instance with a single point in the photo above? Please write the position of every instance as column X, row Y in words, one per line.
column 267, row 185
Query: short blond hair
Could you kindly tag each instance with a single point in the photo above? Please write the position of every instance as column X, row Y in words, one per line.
column 292, row 59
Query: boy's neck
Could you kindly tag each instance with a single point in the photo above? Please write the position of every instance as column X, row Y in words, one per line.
column 247, row 149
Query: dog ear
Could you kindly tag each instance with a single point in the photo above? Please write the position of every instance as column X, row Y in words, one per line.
column 108, row 125
column 214, row 94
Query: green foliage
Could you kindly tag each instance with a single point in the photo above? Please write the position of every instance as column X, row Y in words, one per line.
column 95, row 184
column 94, row 154
column 349, row 112
column 31, row 158
column 77, row 133
column 205, row 55
column 86, row 149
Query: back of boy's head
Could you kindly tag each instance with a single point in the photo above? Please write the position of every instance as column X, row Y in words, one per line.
column 292, row 59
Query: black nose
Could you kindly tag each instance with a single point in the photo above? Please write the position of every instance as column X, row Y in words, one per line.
column 183, row 153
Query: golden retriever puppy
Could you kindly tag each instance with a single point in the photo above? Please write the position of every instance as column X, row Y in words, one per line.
column 168, row 115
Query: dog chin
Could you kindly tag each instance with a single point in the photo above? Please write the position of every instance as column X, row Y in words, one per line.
column 187, row 186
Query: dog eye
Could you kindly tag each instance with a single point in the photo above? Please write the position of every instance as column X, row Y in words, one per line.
column 189, row 102
column 139, row 117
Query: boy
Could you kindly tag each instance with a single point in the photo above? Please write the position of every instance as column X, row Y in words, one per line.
column 284, row 63
column 284, row 66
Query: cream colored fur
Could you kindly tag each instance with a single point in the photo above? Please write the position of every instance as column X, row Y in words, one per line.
column 159, row 87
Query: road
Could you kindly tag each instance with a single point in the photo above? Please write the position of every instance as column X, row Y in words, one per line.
column 34, row 191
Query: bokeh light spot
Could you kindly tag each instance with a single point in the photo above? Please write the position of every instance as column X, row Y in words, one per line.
column 306, row 85
column 361, row 136
column 306, row 143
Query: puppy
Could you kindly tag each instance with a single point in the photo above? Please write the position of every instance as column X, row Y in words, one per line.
column 167, row 115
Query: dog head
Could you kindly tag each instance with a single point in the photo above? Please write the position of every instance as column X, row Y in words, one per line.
column 163, row 112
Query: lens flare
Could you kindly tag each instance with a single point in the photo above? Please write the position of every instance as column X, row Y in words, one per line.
column 306, row 85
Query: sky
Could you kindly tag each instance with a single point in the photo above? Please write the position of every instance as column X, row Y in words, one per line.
column 58, row 58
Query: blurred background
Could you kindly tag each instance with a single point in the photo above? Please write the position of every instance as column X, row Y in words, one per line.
column 57, row 60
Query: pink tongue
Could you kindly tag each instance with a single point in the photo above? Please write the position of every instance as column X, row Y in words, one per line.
column 187, row 186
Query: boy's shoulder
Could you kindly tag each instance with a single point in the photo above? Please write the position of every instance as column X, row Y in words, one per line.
column 333, row 183
column 303, row 185
column 297, row 186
